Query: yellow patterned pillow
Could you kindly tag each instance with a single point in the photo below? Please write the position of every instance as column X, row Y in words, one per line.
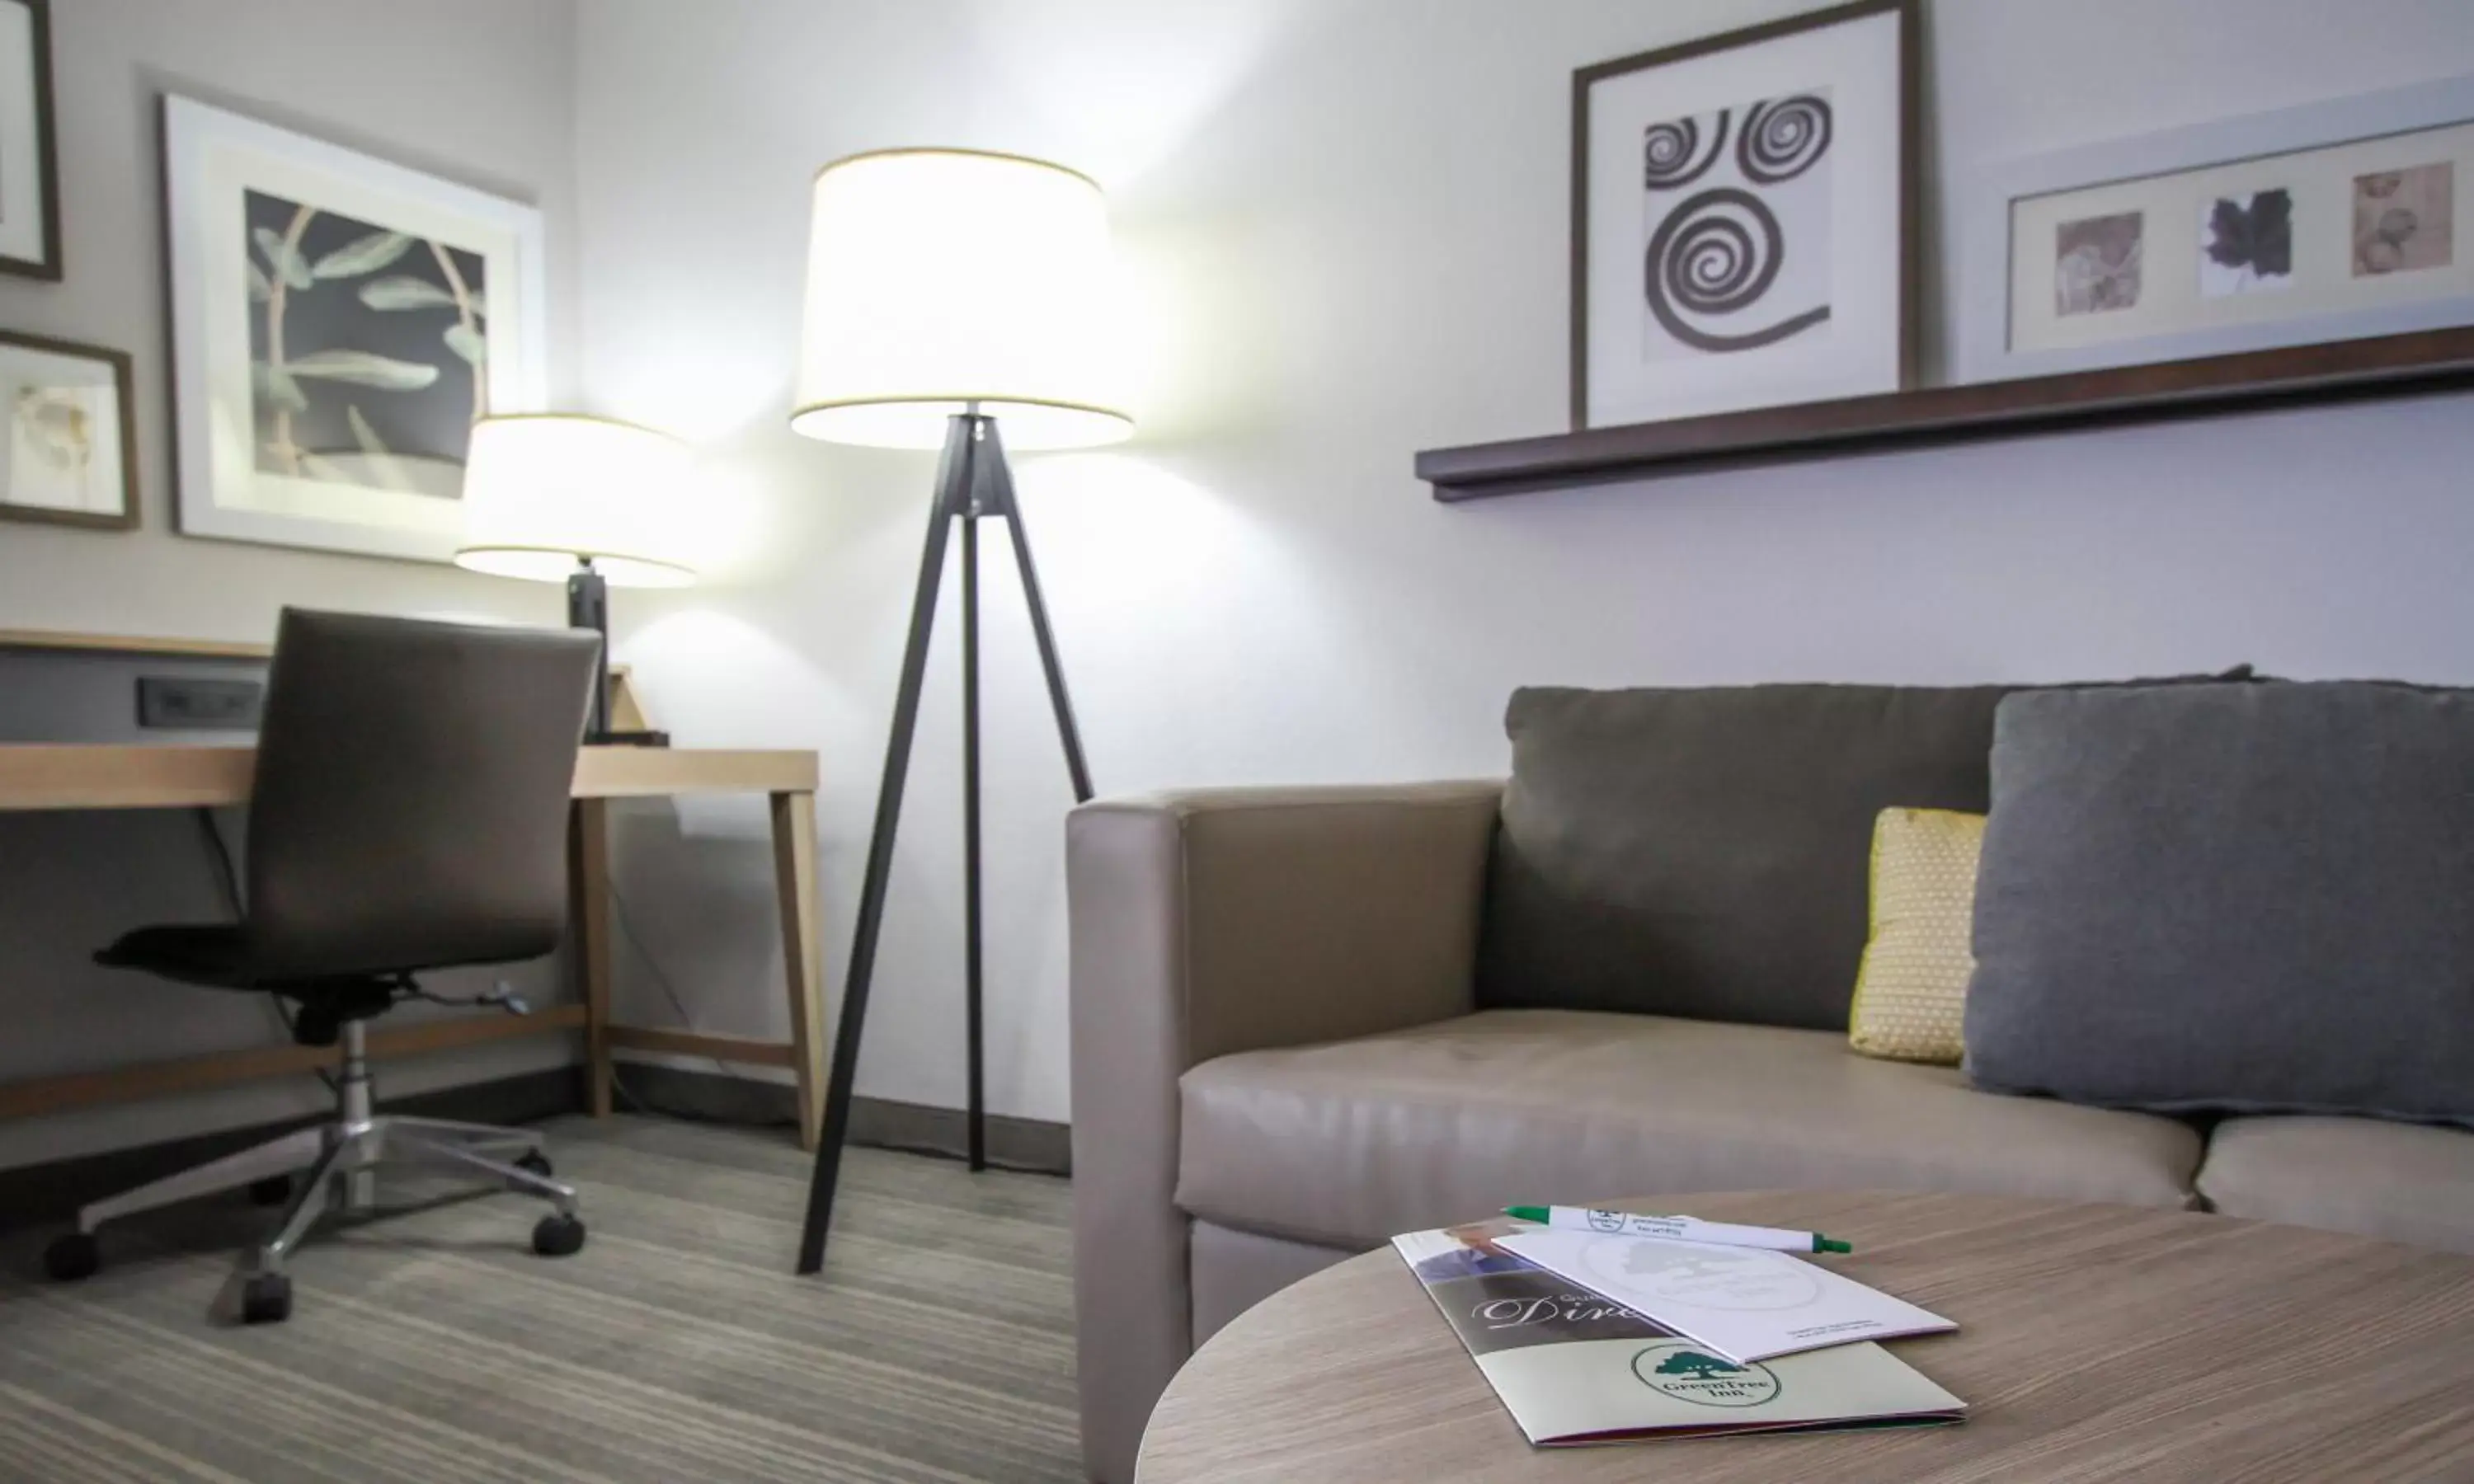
column 1913, row 982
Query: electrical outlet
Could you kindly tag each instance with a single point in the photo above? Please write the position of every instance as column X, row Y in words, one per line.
column 189, row 703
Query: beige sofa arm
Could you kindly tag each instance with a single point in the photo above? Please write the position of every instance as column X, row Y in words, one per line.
column 1215, row 921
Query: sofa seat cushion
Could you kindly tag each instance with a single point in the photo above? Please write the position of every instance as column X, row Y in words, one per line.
column 2404, row 1181
column 1348, row 1143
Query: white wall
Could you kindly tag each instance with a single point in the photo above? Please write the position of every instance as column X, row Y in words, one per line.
column 478, row 90
column 1347, row 224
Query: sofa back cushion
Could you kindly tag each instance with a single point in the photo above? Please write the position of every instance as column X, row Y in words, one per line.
column 2244, row 897
column 1703, row 853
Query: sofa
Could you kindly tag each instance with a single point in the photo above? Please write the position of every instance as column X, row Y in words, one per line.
column 1299, row 1028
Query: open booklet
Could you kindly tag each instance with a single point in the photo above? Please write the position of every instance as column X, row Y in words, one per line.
column 1575, row 1368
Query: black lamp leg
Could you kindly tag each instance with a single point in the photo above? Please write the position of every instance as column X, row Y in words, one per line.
column 976, row 1100
column 952, row 499
column 997, row 499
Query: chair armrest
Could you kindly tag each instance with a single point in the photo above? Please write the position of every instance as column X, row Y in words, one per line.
column 1215, row 921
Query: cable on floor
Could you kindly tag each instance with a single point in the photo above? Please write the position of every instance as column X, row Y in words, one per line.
column 653, row 966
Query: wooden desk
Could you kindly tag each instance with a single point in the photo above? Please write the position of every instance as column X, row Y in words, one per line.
column 141, row 776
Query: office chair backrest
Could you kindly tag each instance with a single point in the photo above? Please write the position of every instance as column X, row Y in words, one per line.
column 411, row 797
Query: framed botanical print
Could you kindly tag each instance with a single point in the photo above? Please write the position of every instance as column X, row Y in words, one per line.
column 2332, row 221
column 1742, row 207
column 338, row 324
column 30, row 191
column 72, row 452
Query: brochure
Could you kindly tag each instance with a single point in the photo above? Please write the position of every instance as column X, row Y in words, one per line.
column 1574, row 1367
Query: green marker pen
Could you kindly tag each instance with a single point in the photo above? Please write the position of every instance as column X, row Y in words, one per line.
column 1674, row 1229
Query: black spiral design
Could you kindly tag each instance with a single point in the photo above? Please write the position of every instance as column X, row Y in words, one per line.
column 1671, row 153
column 1782, row 137
column 1717, row 254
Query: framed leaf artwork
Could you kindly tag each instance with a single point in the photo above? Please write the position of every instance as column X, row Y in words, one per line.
column 338, row 324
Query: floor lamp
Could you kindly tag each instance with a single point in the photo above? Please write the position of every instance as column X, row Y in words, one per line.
column 950, row 291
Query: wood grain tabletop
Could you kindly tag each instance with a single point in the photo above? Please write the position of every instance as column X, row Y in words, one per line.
column 2095, row 1343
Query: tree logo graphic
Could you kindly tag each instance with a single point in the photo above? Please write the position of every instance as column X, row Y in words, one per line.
column 1696, row 1365
column 1680, row 1371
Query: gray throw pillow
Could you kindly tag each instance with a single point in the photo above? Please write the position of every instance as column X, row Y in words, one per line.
column 1702, row 852
column 2238, row 897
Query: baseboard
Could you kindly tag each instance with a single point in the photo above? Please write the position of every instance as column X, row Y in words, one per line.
column 1014, row 1143
column 32, row 1194
column 52, row 1191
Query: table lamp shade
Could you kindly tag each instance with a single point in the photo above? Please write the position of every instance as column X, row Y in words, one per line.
column 939, row 279
column 542, row 490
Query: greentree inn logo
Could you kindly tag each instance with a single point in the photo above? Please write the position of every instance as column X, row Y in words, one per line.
column 1697, row 1377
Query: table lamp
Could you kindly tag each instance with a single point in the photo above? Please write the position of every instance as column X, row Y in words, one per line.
column 552, row 496
column 950, row 290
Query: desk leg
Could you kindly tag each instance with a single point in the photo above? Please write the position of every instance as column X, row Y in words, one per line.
column 589, row 920
column 803, row 952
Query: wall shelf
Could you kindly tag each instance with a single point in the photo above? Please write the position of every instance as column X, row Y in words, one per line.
column 2425, row 361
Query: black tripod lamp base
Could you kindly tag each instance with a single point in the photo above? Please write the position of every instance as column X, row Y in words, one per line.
column 973, row 484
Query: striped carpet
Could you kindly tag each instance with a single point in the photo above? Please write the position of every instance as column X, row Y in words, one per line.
column 432, row 1344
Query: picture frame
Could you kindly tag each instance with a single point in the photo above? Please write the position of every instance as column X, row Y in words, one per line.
column 1744, row 217
column 338, row 324
column 30, row 173
column 71, row 452
column 2179, row 300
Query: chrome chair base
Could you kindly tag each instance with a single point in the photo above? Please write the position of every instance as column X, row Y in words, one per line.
column 340, row 1161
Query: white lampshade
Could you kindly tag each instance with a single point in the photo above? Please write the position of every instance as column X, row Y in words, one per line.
column 543, row 489
column 939, row 279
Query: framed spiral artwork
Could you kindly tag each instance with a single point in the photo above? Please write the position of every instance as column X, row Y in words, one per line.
column 1742, row 209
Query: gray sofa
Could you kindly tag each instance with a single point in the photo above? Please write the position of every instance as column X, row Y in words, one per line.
column 1279, row 1060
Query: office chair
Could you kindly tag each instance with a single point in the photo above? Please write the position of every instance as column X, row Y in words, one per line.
column 408, row 813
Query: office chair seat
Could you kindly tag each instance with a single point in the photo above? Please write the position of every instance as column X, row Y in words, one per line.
column 217, row 956
column 211, row 954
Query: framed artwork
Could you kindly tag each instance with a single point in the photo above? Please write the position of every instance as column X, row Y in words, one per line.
column 30, row 191
column 338, row 323
column 72, row 450
column 2328, row 222
column 1742, row 209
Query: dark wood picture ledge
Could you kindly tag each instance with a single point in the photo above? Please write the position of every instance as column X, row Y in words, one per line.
column 2424, row 361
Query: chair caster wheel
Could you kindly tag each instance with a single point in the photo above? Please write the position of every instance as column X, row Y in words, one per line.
column 266, row 1299
column 557, row 1237
column 535, row 1161
column 72, row 1257
column 273, row 1190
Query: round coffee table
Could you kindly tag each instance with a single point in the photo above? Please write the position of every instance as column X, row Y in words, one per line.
column 2095, row 1342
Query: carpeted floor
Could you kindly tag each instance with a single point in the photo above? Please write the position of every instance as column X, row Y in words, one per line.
column 432, row 1344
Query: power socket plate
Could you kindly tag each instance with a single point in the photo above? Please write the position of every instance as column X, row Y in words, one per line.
column 196, row 704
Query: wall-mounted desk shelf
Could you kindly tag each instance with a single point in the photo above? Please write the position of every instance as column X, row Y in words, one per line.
column 2423, row 362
